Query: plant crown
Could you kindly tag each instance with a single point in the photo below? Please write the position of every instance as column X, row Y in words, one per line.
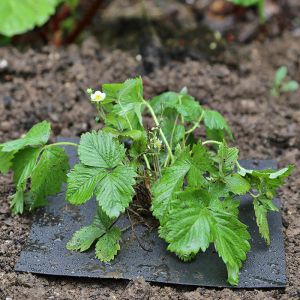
column 194, row 184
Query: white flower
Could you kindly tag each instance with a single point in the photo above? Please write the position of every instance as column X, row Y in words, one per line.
column 98, row 96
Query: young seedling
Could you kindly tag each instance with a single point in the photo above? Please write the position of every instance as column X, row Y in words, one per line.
column 280, row 85
column 260, row 4
column 194, row 184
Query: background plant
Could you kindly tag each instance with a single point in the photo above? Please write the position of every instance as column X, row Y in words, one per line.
column 280, row 85
column 260, row 4
column 194, row 184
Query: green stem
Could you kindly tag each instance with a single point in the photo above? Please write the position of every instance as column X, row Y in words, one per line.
column 160, row 130
column 261, row 11
column 61, row 144
column 173, row 131
column 146, row 161
column 238, row 165
column 182, row 117
column 196, row 124
column 211, row 142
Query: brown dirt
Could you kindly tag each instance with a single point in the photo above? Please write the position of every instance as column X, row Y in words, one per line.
column 49, row 84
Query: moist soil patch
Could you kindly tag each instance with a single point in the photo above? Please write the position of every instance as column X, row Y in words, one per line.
column 49, row 83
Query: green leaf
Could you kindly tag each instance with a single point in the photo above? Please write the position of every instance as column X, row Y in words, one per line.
column 196, row 220
column 23, row 165
column 6, row 160
column 170, row 182
column 37, row 136
column 102, row 173
column 189, row 108
column 49, row 174
column 290, row 86
column 214, row 121
column 182, row 103
column 131, row 91
column 82, row 181
column 86, row 236
column 129, row 101
column 165, row 100
column 99, row 149
column 237, row 184
column 261, row 220
column 17, row 202
column 280, row 75
column 108, row 245
column 231, row 242
column 115, row 190
column 227, row 158
column 201, row 163
column 178, row 131
column 245, row 2
column 17, row 17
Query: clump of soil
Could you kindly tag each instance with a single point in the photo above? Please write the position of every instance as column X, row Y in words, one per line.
column 50, row 83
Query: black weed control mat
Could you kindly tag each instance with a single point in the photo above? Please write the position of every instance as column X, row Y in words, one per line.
column 46, row 253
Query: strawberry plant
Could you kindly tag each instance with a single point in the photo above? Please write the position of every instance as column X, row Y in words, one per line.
column 194, row 184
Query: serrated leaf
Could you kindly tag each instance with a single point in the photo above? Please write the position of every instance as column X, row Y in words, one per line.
column 290, row 86
column 38, row 135
column 170, row 182
column 17, row 202
column 201, row 163
column 131, row 91
column 196, row 220
column 163, row 101
column 237, row 184
column 49, row 174
column 6, row 161
column 23, row 164
column 129, row 101
column 115, row 190
column 112, row 90
column 108, row 245
column 280, row 75
column 214, row 122
column 189, row 108
column 100, row 149
column 187, row 229
column 82, row 181
column 261, row 220
column 86, row 236
column 17, row 17
column 227, row 157
column 231, row 242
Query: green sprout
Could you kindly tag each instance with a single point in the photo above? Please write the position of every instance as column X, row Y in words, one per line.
column 280, row 85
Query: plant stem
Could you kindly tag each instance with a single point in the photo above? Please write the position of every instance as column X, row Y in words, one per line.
column 211, row 142
column 196, row 124
column 173, row 131
column 160, row 130
column 238, row 165
column 182, row 117
column 146, row 161
column 61, row 144
column 261, row 11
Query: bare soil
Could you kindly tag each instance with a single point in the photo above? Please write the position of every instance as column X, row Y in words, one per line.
column 50, row 83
